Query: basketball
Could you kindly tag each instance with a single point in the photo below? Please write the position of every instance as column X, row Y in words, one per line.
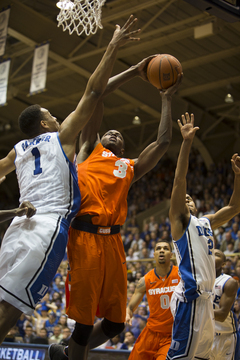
column 162, row 71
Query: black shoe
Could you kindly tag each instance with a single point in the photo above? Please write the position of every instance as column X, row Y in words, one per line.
column 56, row 352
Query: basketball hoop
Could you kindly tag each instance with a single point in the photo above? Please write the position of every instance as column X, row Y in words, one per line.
column 80, row 15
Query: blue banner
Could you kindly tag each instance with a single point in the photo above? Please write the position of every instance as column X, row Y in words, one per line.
column 15, row 352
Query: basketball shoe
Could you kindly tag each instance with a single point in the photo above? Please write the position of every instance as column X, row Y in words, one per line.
column 56, row 352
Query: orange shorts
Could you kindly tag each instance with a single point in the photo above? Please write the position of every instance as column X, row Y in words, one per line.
column 97, row 277
column 151, row 345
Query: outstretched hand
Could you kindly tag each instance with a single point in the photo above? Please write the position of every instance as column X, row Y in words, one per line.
column 187, row 126
column 123, row 34
column 236, row 164
column 26, row 208
column 172, row 89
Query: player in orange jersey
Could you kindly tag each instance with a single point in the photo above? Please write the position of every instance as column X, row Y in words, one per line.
column 98, row 273
column 158, row 284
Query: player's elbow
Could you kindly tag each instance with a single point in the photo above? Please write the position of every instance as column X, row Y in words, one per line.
column 96, row 94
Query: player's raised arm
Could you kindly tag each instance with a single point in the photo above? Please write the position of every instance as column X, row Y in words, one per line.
column 179, row 212
column 95, row 87
column 233, row 208
column 89, row 135
column 150, row 156
column 135, row 300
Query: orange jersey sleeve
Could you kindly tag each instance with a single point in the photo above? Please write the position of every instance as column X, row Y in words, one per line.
column 104, row 181
column 159, row 292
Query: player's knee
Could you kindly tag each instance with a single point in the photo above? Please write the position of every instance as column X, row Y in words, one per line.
column 112, row 329
column 81, row 333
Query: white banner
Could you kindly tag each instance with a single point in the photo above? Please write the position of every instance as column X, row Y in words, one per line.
column 4, row 16
column 4, row 72
column 39, row 69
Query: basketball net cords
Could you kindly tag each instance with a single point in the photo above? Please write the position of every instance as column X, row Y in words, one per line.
column 81, row 16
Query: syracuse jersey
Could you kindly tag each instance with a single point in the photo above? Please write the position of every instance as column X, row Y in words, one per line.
column 104, row 180
column 159, row 291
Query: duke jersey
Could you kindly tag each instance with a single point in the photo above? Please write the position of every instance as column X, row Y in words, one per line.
column 228, row 325
column 195, row 259
column 46, row 177
column 104, row 180
column 159, row 291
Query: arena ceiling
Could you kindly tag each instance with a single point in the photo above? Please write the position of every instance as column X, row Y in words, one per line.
column 210, row 65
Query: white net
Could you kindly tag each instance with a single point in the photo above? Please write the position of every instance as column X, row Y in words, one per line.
column 80, row 16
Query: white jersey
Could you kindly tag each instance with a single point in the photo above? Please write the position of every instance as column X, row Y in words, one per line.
column 228, row 325
column 195, row 259
column 46, row 177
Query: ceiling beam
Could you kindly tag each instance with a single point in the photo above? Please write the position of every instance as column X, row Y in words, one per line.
column 218, row 121
column 201, row 60
column 130, row 7
column 209, row 86
column 153, row 33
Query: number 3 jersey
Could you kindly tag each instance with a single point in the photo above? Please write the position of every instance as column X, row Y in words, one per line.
column 195, row 259
column 159, row 291
column 46, row 177
column 104, row 180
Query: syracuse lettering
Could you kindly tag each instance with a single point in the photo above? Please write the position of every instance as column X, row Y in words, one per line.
column 163, row 290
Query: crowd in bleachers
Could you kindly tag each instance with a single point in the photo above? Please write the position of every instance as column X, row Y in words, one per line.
column 210, row 189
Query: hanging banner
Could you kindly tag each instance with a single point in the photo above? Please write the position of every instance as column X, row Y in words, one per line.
column 39, row 69
column 4, row 16
column 4, row 72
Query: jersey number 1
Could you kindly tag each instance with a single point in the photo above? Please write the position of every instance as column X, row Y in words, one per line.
column 36, row 154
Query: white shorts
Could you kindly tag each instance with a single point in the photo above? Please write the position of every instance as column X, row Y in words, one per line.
column 193, row 328
column 224, row 346
column 31, row 252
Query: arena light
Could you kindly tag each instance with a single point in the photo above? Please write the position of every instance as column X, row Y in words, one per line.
column 229, row 98
column 136, row 120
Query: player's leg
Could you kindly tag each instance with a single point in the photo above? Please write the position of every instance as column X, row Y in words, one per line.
column 78, row 345
column 204, row 324
column 36, row 253
column 8, row 318
column 104, row 330
column 112, row 304
column 185, row 336
column 163, row 347
column 224, row 346
column 85, row 280
column 146, row 346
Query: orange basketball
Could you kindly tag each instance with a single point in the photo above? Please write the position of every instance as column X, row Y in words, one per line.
column 162, row 71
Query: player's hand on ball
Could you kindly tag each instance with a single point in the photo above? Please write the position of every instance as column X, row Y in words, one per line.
column 171, row 90
column 142, row 67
